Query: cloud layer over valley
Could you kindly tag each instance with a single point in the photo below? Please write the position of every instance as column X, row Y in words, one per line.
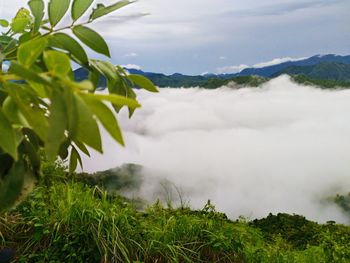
column 278, row 148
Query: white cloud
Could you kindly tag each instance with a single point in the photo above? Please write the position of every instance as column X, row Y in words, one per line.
column 131, row 66
column 222, row 58
column 231, row 69
column 236, row 69
column 276, row 61
column 132, row 54
column 278, row 148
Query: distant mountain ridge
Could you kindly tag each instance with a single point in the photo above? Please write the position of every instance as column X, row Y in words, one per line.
column 323, row 70
column 333, row 68
column 271, row 70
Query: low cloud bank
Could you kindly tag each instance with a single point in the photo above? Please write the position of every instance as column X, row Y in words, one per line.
column 237, row 69
column 279, row 148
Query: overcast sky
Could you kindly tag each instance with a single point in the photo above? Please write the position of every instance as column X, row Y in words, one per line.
column 196, row 36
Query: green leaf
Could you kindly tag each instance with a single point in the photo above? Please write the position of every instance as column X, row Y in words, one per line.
column 57, row 63
column 37, row 8
column 26, row 74
column 33, row 115
column 7, row 136
column 115, row 99
column 74, row 159
column 28, row 53
column 79, row 7
column 92, row 39
column 11, row 185
column 57, row 9
column 21, row 21
column 142, row 82
column 66, row 42
column 20, row 24
column 83, row 85
column 33, row 156
column 106, row 68
column 106, row 117
column 4, row 23
column 72, row 113
column 57, row 126
column 88, row 131
column 5, row 40
column 102, row 10
column 94, row 77
column 82, row 147
column 11, row 110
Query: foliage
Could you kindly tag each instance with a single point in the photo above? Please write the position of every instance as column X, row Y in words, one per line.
column 74, row 222
column 322, row 83
column 343, row 201
column 324, row 70
column 42, row 107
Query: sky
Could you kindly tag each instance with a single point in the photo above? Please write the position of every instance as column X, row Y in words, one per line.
column 221, row 36
column 282, row 147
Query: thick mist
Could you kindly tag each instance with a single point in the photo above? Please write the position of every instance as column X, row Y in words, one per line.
column 282, row 147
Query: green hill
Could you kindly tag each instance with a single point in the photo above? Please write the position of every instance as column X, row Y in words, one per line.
column 325, row 70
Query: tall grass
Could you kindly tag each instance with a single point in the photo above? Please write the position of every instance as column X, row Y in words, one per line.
column 73, row 222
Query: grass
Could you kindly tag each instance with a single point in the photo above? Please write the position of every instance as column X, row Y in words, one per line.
column 69, row 221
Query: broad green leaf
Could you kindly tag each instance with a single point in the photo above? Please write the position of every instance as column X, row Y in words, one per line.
column 72, row 113
column 82, row 147
column 142, row 82
column 57, row 63
column 57, row 9
column 28, row 53
column 26, row 74
column 5, row 40
column 88, row 131
column 4, row 23
column 15, row 185
column 37, row 8
column 106, row 117
column 83, row 85
column 121, row 88
column 74, row 159
column 92, row 39
column 11, row 110
column 105, row 68
column 33, row 156
column 57, row 125
column 40, row 89
column 21, row 21
column 94, row 77
column 79, row 7
column 63, row 151
column 11, row 185
column 102, row 10
column 25, row 37
column 7, row 136
column 34, row 116
column 114, row 99
column 10, row 46
column 66, row 42
column 19, row 25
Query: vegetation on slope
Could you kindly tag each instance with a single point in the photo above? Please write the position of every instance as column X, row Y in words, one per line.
column 70, row 221
column 322, row 71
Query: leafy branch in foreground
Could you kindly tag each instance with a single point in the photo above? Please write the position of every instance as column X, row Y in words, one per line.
column 42, row 107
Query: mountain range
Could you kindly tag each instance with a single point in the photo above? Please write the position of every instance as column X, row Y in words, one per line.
column 325, row 71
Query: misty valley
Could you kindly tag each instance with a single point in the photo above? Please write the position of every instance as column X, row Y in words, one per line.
column 174, row 131
column 280, row 148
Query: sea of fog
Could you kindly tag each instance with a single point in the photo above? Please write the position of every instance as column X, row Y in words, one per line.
column 281, row 147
